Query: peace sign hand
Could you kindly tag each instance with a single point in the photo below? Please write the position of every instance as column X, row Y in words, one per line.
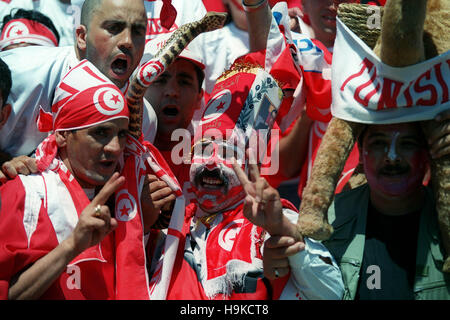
column 95, row 222
column 262, row 204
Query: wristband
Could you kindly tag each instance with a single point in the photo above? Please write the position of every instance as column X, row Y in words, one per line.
column 253, row 7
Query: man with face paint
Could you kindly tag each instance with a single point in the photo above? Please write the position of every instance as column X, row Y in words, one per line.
column 219, row 254
column 386, row 236
column 399, row 218
column 395, row 161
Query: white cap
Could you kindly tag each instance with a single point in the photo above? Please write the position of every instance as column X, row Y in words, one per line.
column 153, row 46
column 193, row 57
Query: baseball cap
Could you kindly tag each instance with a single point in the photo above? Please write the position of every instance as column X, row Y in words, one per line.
column 193, row 57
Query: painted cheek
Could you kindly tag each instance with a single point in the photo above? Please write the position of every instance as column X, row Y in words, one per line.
column 418, row 165
column 370, row 165
column 409, row 183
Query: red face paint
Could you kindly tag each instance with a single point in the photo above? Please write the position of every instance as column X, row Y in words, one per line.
column 213, row 179
column 395, row 158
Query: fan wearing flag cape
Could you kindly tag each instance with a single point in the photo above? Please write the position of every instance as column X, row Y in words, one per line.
column 219, row 253
column 57, row 225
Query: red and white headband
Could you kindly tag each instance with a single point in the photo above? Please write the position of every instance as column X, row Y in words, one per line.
column 27, row 31
column 84, row 98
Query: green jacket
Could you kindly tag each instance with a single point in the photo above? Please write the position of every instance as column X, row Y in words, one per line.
column 348, row 215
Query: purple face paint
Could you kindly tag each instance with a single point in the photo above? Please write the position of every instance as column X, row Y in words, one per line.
column 395, row 159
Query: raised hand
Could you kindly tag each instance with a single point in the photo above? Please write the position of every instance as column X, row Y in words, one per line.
column 95, row 222
column 293, row 22
column 156, row 196
column 262, row 204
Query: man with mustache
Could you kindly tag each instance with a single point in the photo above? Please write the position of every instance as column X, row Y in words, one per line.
column 219, row 253
column 386, row 237
column 399, row 218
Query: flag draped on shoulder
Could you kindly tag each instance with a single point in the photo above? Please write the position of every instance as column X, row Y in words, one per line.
column 160, row 281
column 132, row 277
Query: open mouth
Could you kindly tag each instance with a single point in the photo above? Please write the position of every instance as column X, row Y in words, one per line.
column 171, row 111
column 211, row 179
column 120, row 66
column 108, row 164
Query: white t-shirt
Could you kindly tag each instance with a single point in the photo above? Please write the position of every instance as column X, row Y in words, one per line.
column 65, row 17
column 219, row 49
column 34, row 84
column 35, row 71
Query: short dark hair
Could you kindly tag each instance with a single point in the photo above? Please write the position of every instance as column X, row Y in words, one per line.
column 360, row 138
column 31, row 15
column 5, row 81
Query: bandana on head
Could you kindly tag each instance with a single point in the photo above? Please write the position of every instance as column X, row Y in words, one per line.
column 27, row 31
column 84, row 98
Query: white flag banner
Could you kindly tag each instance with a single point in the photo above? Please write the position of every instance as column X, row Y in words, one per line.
column 366, row 90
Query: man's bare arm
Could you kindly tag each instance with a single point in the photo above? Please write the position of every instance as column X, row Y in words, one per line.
column 259, row 19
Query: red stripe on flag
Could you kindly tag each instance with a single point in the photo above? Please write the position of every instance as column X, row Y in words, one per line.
column 175, row 233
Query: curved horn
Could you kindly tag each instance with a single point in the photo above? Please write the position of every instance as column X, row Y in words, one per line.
column 150, row 71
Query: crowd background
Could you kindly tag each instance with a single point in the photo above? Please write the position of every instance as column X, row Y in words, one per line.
column 43, row 42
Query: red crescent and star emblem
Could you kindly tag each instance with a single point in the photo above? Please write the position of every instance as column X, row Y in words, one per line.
column 228, row 235
column 125, row 206
column 217, row 106
column 16, row 29
column 108, row 101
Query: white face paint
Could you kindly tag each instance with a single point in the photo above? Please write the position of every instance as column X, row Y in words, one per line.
column 392, row 154
column 214, row 182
